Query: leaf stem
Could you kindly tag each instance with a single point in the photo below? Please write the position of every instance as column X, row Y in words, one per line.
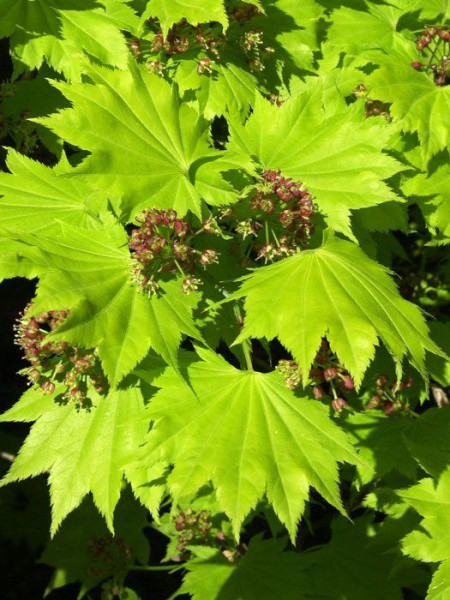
column 158, row 568
column 247, row 354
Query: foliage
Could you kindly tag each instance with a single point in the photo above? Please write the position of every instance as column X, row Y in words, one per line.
column 236, row 215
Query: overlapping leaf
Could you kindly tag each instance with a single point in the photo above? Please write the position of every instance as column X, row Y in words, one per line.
column 337, row 292
column 169, row 13
column 59, row 33
column 33, row 197
column 431, row 542
column 339, row 159
column 417, row 104
column 248, row 434
column 145, row 145
column 83, row 451
column 358, row 562
column 433, row 193
column 90, row 275
column 371, row 26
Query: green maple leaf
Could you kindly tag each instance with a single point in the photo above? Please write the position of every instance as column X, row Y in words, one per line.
column 432, row 191
column 435, row 9
column 172, row 12
column 357, row 563
column 146, row 146
column 339, row 158
column 248, row 434
column 35, row 98
column 438, row 367
column 70, row 551
column 428, row 441
column 89, row 274
column 337, row 292
column 372, row 26
column 230, row 88
column 83, row 451
column 33, row 196
column 417, row 104
column 431, row 542
column 400, row 443
column 381, row 443
column 60, row 32
column 292, row 29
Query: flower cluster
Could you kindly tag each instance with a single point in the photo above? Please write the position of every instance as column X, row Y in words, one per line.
column 434, row 46
column 372, row 108
column 196, row 528
column 252, row 43
column 328, row 378
column 388, row 395
column 108, row 555
column 183, row 37
column 279, row 204
column 244, row 13
column 161, row 245
column 56, row 362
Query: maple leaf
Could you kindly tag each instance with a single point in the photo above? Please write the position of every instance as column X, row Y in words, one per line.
column 247, row 433
column 432, row 192
column 417, row 103
column 434, row 9
column 356, row 563
column 90, row 275
column 83, row 451
column 291, row 29
column 146, row 145
column 431, row 542
column 72, row 551
column 338, row 292
column 58, row 32
column 230, row 88
column 381, row 443
column 338, row 159
column 177, row 10
column 34, row 196
column 371, row 26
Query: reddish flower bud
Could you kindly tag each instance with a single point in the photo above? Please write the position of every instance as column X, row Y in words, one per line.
column 318, row 392
column 416, row 65
column 348, row 382
column 338, row 404
column 330, row 373
column 209, row 257
column 389, row 408
column 48, row 387
column 382, row 380
column 316, row 375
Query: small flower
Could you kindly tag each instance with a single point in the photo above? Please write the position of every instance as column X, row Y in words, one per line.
column 135, row 48
column 349, row 384
column 389, row 408
column 318, row 392
column 48, row 387
column 209, row 257
column 190, row 284
column 382, row 380
column 338, row 404
column 204, row 66
column 330, row 373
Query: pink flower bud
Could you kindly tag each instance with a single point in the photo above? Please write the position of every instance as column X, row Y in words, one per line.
column 318, row 392
column 416, row 65
column 348, row 382
column 330, row 373
column 338, row 404
column 389, row 408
